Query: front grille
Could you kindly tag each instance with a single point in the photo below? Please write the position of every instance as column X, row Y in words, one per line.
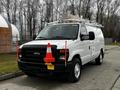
column 36, row 53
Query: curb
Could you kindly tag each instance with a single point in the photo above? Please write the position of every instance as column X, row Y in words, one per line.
column 11, row 75
column 115, row 83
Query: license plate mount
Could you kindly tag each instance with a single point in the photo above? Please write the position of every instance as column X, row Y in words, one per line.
column 50, row 66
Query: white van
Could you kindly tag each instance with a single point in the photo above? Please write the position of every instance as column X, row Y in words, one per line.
column 67, row 45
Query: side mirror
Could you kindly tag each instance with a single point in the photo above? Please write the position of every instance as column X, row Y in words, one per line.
column 91, row 36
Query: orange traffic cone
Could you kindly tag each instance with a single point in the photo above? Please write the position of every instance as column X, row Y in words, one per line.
column 49, row 58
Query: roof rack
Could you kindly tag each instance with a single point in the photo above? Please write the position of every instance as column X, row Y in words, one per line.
column 51, row 23
column 95, row 24
column 79, row 20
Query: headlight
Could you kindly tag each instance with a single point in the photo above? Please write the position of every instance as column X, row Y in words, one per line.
column 64, row 53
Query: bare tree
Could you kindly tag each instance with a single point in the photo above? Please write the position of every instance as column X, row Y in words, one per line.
column 0, row 7
column 72, row 7
column 49, row 10
column 111, row 21
column 86, row 6
column 7, row 6
column 100, row 10
column 14, row 11
column 79, row 9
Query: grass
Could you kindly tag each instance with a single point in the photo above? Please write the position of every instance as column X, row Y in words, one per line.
column 117, row 43
column 8, row 63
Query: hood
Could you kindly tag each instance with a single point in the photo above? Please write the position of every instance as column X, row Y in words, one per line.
column 59, row 43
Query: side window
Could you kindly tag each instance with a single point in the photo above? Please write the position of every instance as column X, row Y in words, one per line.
column 83, row 30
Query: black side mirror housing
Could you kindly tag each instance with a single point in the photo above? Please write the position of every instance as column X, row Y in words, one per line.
column 91, row 35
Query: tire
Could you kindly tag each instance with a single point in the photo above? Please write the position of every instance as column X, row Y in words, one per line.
column 75, row 71
column 99, row 59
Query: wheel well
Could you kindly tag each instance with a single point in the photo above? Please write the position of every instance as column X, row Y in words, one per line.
column 78, row 56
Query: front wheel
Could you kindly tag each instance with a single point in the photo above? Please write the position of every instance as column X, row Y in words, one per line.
column 75, row 71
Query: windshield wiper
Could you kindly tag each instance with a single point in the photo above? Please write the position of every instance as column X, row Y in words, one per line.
column 55, row 37
column 60, row 37
column 39, row 38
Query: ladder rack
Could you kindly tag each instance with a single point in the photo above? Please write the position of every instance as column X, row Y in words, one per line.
column 80, row 20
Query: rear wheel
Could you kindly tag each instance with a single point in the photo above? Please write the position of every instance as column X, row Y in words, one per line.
column 99, row 59
column 75, row 71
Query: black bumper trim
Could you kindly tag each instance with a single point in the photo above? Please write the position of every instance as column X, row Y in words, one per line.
column 40, row 68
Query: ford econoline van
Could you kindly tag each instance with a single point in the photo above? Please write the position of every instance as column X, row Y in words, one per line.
column 63, row 47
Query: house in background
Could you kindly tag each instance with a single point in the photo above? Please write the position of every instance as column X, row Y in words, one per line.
column 5, row 36
column 9, row 34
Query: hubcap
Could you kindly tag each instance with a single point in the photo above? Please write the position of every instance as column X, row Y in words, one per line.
column 77, row 70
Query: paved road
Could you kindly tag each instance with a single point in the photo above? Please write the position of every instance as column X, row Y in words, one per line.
column 93, row 77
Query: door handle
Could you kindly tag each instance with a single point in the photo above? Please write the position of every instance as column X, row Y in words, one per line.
column 89, row 47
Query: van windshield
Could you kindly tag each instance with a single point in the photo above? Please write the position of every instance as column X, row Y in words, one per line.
column 61, row 31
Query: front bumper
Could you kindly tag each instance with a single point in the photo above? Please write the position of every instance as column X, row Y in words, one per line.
column 41, row 68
